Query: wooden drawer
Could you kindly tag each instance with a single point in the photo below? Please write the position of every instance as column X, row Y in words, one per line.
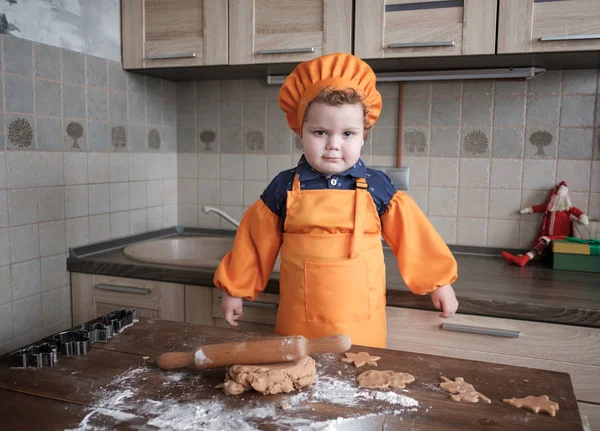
column 548, row 25
column 161, row 33
column 245, row 326
column 571, row 349
column 287, row 31
column 198, row 305
column 592, row 412
column 263, row 310
column 94, row 295
column 409, row 28
column 564, row 343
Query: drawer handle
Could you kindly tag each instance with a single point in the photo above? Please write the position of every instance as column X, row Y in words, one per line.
column 569, row 37
column 168, row 56
column 254, row 304
column 285, row 51
column 481, row 330
column 260, row 305
column 124, row 289
column 421, row 44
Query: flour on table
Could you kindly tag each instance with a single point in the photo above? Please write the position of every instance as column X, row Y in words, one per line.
column 174, row 377
column 120, row 401
column 338, row 391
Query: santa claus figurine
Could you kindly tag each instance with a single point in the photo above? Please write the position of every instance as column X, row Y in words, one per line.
column 556, row 224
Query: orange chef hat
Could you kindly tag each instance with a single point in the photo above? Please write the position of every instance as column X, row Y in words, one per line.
column 339, row 71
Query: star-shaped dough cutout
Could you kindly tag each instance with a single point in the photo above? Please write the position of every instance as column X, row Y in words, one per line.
column 361, row 358
column 462, row 390
column 535, row 404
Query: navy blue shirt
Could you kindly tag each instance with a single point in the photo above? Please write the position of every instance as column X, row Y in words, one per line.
column 380, row 186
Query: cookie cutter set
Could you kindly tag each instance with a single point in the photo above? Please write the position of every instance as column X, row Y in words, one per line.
column 75, row 341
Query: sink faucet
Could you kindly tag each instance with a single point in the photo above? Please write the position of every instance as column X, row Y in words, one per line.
column 222, row 214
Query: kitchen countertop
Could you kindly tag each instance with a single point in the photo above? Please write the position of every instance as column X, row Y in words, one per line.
column 117, row 386
column 486, row 286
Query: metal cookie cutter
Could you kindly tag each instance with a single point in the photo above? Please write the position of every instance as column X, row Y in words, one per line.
column 41, row 355
column 97, row 332
column 122, row 319
column 72, row 343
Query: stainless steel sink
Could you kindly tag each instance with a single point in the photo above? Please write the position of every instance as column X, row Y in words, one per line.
column 200, row 252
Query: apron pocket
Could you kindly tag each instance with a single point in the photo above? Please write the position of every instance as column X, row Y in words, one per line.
column 336, row 291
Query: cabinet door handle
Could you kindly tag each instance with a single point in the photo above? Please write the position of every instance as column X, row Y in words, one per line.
column 569, row 37
column 168, row 56
column 260, row 305
column 285, row 51
column 421, row 44
column 481, row 330
column 254, row 304
column 124, row 289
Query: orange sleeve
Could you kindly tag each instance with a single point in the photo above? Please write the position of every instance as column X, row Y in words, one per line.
column 424, row 260
column 245, row 270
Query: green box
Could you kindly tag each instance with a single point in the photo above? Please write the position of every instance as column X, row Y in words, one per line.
column 576, row 262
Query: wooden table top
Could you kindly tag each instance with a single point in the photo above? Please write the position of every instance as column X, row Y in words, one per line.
column 117, row 386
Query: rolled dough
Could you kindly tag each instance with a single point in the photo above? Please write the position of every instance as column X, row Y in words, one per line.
column 270, row 379
column 375, row 379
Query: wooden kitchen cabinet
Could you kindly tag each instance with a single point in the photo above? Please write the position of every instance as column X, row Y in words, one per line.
column 199, row 305
column 167, row 33
column 423, row 28
column 548, row 26
column 278, row 31
column 95, row 295
column 258, row 315
column 565, row 348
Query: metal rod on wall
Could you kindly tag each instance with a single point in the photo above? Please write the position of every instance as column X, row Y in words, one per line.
column 400, row 103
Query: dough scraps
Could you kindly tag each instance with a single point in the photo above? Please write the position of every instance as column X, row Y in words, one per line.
column 535, row 404
column 462, row 390
column 361, row 359
column 270, row 379
column 375, row 379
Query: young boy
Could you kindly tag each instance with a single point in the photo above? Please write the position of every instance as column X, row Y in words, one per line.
column 327, row 216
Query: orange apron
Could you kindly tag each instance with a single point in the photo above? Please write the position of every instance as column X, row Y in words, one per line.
column 332, row 277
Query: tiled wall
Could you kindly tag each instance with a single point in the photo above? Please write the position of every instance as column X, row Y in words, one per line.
column 233, row 139
column 478, row 150
column 490, row 148
column 87, row 154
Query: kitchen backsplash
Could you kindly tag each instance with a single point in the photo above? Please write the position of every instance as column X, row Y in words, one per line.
column 87, row 153
column 242, row 140
column 478, row 151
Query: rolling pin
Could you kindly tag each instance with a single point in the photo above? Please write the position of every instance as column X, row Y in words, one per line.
column 256, row 352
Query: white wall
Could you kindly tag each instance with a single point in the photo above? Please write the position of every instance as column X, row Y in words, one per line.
column 89, row 26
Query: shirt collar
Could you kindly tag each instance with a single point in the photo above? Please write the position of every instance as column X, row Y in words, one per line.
column 306, row 172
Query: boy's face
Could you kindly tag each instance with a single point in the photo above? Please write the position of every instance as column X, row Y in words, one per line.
column 332, row 136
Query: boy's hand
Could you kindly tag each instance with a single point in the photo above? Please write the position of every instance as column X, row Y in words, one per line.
column 444, row 299
column 231, row 308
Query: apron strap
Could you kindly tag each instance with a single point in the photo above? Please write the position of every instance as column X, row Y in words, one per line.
column 296, row 186
column 360, row 205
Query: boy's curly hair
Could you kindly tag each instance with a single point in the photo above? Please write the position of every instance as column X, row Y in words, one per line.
column 335, row 97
